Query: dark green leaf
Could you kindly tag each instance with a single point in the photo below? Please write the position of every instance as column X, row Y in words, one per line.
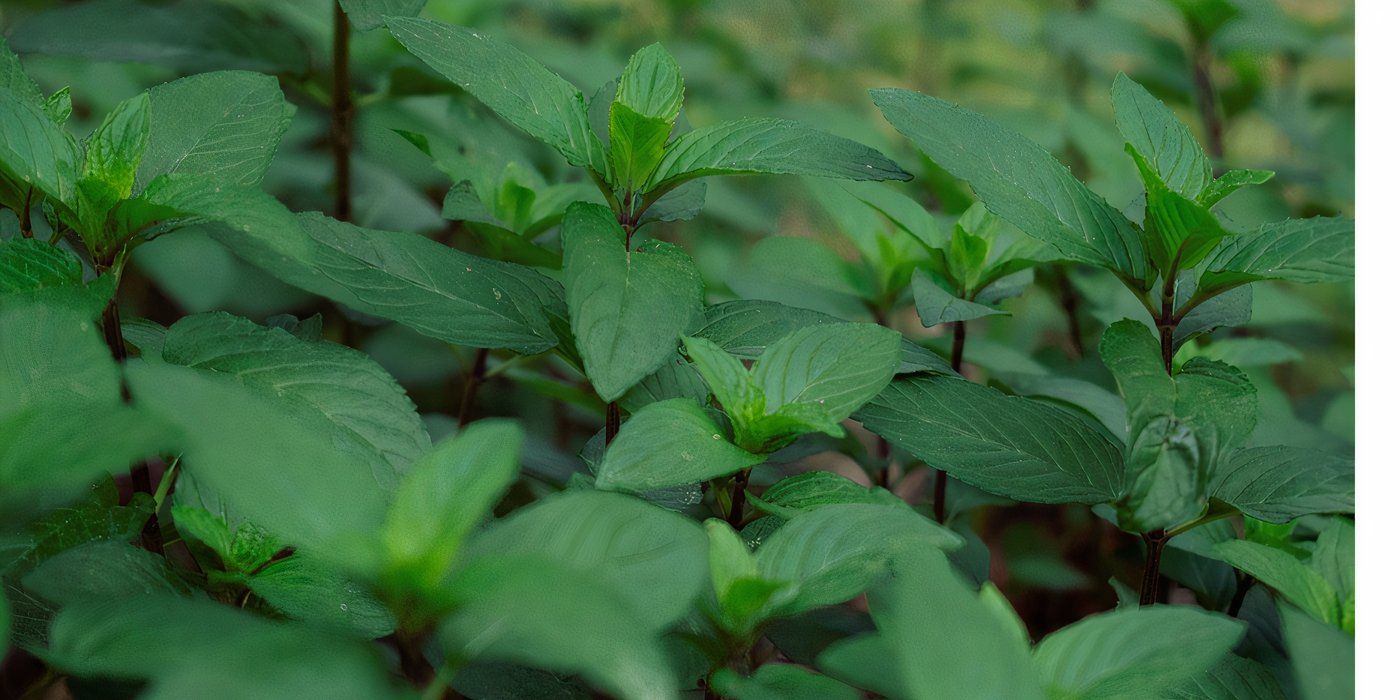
column 669, row 443
column 937, row 305
column 1298, row 250
column 1166, row 145
column 370, row 14
column 1281, row 483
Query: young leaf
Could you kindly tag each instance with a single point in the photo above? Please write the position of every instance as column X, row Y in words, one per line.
column 778, row 146
column 1164, row 143
column 1018, row 181
column 937, row 305
column 729, row 380
column 370, row 411
column 646, row 105
column 1232, row 180
column 1007, row 445
column 222, row 126
column 653, row 558
column 1134, row 652
column 834, row 369
column 669, row 443
column 1281, row 483
column 446, row 495
column 116, row 147
column 1179, row 231
column 1180, row 427
column 627, row 309
column 1298, row 250
column 516, row 87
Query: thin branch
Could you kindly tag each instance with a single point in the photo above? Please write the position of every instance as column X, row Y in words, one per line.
column 342, row 112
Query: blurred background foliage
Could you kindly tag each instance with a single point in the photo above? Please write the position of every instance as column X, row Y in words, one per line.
column 1282, row 71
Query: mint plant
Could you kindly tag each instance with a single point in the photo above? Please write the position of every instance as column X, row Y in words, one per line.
column 563, row 436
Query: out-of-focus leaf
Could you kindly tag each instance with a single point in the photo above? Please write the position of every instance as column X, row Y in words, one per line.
column 370, row 14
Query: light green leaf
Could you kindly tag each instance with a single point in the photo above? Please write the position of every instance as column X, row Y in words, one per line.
column 516, row 87
column 370, row 14
column 1006, row 445
column 117, row 145
column 1179, row 232
column 728, row 379
column 834, row 552
column 779, row 681
column 1281, row 483
column 542, row 613
column 369, row 410
column 1165, row 144
column 627, row 309
column 643, row 111
column 1134, row 652
column 778, row 146
column 1298, row 250
column 833, row 368
column 1232, row 180
column 669, row 443
column 222, row 126
column 652, row 557
column 937, row 305
column 1334, row 557
column 1279, row 570
column 188, row 647
column 1018, row 181
column 445, row 496
column 277, row 471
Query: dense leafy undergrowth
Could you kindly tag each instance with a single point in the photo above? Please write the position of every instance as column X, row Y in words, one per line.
column 792, row 491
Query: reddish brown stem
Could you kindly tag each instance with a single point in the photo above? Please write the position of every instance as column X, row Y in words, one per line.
column 475, row 378
column 1156, row 542
column 612, row 423
column 342, row 111
column 738, row 499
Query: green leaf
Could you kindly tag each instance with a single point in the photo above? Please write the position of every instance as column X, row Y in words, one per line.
column 436, row 290
column 747, row 326
column 545, row 614
column 834, row 552
column 370, row 14
column 53, row 356
column 931, row 623
column 646, row 105
column 1018, row 181
column 1221, row 187
column 369, row 410
column 445, row 496
column 188, row 647
column 277, row 471
column 1298, row 250
column 814, row 489
column 1180, row 428
column 188, row 36
column 627, row 309
column 1279, row 570
column 777, row 146
column 222, row 126
column 669, row 443
column 1134, row 652
column 1334, row 557
column 728, row 379
column 654, row 558
column 34, row 272
column 36, row 155
column 1281, row 483
column 832, row 368
column 1165, row 144
column 805, row 273
column 1179, row 232
column 307, row 590
column 15, row 79
column 1234, row 678
column 1323, row 658
column 1231, row 308
column 516, row 87
column 1006, row 445
column 937, row 305
column 779, row 681
column 117, row 145
column 101, row 570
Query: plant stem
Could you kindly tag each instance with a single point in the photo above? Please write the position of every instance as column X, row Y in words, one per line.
column 342, row 111
column 1206, row 101
column 738, row 499
column 1166, row 320
column 414, row 665
column 612, row 423
column 1156, row 542
column 1242, row 587
column 940, row 477
column 475, row 377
